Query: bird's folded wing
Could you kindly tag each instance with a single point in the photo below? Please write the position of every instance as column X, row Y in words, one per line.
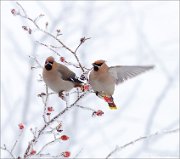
column 74, row 79
column 122, row 73
column 67, row 74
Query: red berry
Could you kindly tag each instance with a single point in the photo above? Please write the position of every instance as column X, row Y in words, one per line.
column 98, row 113
column 86, row 87
column 21, row 126
column 33, row 152
column 64, row 137
column 66, row 154
column 50, row 109
column 62, row 59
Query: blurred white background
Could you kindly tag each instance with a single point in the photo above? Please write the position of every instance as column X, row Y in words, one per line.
column 122, row 33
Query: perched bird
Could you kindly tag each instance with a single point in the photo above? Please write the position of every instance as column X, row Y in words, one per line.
column 103, row 78
column 59, row 77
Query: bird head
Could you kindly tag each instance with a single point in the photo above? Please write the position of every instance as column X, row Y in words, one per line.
column 98, row 64
column 48, row 63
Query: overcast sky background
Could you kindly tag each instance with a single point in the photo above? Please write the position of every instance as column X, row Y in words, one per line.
column 122, row 33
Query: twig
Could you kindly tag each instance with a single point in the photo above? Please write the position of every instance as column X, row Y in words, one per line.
column 86, row 108
column 16, row 141
column 81, row 67
column 22, row 9
column 45, row 104
column 38, row 17
column 34, row 140
column 48, row 48
column 35, row 59
column 82, row 40
column 76, row 156
column 119, row 148
column 10, row 153
column 46, row 146
column 55, row 37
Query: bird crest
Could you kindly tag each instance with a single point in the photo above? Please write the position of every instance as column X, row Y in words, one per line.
column 99, row 62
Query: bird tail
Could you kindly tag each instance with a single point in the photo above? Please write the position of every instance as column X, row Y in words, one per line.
column 112, row 105
column 110, row 101
column 76, row 81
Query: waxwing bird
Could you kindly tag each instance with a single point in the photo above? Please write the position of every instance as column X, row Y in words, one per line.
column 58, row 77
column 103, row 78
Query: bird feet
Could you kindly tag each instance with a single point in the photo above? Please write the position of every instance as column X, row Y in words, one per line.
column 61, row 95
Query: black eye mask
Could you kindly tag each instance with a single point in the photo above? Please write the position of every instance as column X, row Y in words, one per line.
column 97, row 65
column 48, row 62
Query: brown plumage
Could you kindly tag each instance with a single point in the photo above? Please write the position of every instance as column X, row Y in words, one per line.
column 103, row 78
column 59, row 77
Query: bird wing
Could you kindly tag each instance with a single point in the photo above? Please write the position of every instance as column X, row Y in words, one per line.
column 123, row 73
column 67, row 74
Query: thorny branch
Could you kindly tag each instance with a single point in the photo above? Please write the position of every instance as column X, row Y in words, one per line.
column 158, row 133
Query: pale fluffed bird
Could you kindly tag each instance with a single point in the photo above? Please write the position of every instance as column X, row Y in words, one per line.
column 103, row 78
column 58, row 77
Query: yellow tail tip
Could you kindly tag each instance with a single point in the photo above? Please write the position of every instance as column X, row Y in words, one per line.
column 113, row 108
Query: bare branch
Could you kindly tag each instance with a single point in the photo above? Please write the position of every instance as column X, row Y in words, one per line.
column 82, row 40
column 19, row 136
column 86, row 108
column 48, row 48
column 25, row 14
column 6, row 149
column 56, row 37
column 40, row 132
column 38, row 17
column 158, row 133
column 47, row 123
column 37, row 62
column 49, row 143
column 45, row 104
